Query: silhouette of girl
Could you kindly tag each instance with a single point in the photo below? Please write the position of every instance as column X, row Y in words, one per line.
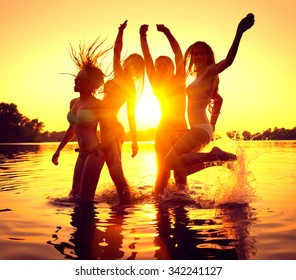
column 169, row 87
column 199, row 60
column 85, row 113
column 119, row 90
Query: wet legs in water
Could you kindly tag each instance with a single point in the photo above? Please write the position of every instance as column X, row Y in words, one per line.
column 86, row 174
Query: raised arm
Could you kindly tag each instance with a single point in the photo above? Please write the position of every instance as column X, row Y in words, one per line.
column 245, row 24
column 175, row 47
column 150, row 68
column 117, row 49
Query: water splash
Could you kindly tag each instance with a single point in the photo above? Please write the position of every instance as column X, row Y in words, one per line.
column 235, row 182
column 229, row 183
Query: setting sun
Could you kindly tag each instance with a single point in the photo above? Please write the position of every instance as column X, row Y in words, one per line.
column 148, row 111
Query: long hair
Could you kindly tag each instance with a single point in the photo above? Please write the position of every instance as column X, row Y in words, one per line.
column 90, row 58
column 136, row 61
column 189, row 65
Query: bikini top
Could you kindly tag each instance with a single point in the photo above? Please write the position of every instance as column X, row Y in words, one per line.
column 83, row 117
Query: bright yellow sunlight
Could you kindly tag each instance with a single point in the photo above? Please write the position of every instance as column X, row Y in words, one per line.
column 148, row 111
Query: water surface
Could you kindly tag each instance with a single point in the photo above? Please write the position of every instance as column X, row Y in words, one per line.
column 243, row 211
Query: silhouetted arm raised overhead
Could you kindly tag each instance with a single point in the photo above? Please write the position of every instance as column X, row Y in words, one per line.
column 150, row 68
column 175, row 47
column 245, row 24
column 117, row 49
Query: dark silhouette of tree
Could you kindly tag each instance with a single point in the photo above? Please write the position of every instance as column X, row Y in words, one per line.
column 234, row 134
column 268, row 134
column 247, row 135
column 54, row 136
column 15, row 127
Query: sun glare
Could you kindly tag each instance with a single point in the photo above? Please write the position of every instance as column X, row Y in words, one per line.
column 148, row 111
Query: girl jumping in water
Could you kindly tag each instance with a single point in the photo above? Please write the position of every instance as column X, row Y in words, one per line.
column 199, row 60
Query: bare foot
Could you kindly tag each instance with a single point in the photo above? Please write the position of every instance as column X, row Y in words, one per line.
column 223, row 156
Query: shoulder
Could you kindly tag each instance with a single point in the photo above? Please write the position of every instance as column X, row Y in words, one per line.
column 72, row 102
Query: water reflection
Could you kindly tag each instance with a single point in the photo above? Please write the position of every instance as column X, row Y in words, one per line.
column 15, row 151
column 237, row 221
column 88, row 241
column 223, row 235
column 13, row 158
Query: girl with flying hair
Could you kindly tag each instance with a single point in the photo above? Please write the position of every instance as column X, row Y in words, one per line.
column 86, row 112
column 199, row 61
column 124, row 88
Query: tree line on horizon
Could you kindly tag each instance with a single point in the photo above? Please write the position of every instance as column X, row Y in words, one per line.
column 17, row 128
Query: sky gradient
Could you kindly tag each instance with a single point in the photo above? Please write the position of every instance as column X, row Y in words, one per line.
column 258, row 89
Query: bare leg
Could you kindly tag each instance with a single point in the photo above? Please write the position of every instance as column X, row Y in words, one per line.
column 221, row 155
column 163, row 176
column 91, row 174
column 113, row 160
column 181, row 154
column 163, row 173
column 113, row 139
column 181, row 180
column 76, row 184
column 162, row 145
column 164, row 141
column 120, row 182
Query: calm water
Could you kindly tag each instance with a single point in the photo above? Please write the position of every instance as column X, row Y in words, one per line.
column 243, row 211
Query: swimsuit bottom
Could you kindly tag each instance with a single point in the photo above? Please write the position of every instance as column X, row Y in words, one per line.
column 85, row 153
column 205, row 126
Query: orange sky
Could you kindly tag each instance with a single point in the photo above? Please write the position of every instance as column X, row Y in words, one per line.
column 258, row 89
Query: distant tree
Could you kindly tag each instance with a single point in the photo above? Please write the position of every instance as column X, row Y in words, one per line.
column 54, row 136
column 247, row 135
column 268, row 134
column 234, row 134
column 14, row 127
column 10, row 121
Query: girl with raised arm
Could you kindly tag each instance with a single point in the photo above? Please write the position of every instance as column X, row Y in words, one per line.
column 199, row 60
column 127, row 83
column 168, row 83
